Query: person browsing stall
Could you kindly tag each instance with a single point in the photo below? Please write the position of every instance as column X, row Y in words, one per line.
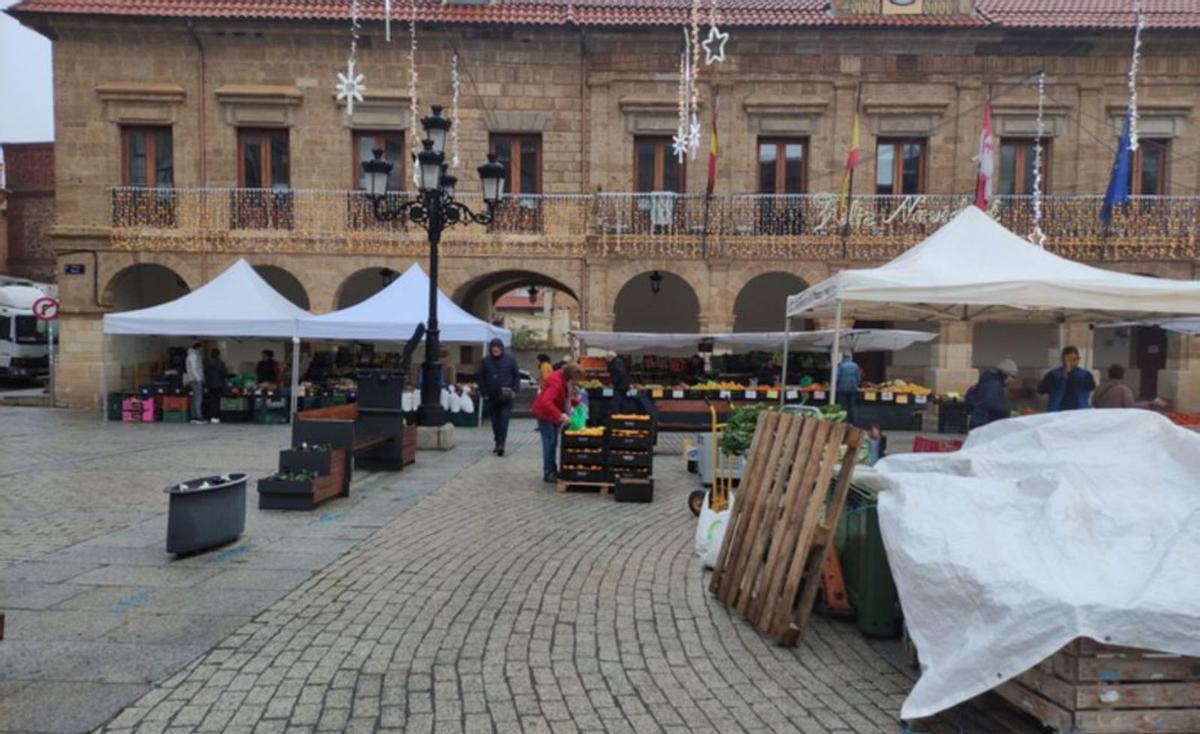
column 1112, row 393
column 987, row 400
column 551, row 408
column 1069, row 387
column 267, row 369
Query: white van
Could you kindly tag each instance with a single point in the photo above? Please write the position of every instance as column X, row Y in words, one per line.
column 24, row 340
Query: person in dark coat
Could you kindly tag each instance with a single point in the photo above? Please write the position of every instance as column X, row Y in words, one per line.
column 216, row 374
column 499, row 381
column 1068, row 387
column 768, row 374
column 987, row 400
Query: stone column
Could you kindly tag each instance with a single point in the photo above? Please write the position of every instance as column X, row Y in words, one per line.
column 81, row 364
column 950, row 368
column 1179, row 383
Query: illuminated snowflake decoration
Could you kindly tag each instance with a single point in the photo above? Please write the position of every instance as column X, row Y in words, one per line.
column 693, row 141
column 350, row 88
column 714, row 46
column 680, row 144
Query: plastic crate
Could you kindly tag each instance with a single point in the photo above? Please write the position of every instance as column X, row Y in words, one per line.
column 573, row 441
column 174, row 403
column 174, row 416
column 115, row 400
column 234, row 404
column 638, row 459
column 642, row 442
column 923, row 445
column 271, row 416
column 583, row 457
column 868, row 576
column 633, row 489
column 583, row 475
column 641, row 424
column 632, row 472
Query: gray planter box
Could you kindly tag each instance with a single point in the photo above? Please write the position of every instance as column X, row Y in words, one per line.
column 201, row 517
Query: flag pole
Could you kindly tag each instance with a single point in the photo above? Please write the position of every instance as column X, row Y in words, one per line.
column 851, row 164
column 712, row 164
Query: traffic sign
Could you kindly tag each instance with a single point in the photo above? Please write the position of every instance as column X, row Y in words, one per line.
column 45, row 308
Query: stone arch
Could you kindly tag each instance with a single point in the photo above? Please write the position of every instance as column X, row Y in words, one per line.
column 288, row 285
column 759, row 305
column 143, row 285
column 675, row 308
column 362, row 284
column 478, row 294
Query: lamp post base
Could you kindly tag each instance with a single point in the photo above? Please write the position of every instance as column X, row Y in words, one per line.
column 441, row 438
column 431, row 416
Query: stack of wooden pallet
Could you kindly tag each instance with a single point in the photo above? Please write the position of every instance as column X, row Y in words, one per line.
column 1091, row 688
column 788, row 506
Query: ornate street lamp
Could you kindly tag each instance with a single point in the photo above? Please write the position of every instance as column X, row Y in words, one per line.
column 533, row 293
column 656, row 280
column 433, row 210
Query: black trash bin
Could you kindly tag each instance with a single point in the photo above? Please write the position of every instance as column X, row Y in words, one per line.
column 205, row 512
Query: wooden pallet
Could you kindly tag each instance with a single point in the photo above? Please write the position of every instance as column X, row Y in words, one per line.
column 602, row 487
column 782, row 526
column 1091, row 688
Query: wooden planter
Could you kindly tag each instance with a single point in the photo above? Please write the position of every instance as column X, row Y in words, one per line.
column 275, row 493
column 1091, row 688
column 408, row 450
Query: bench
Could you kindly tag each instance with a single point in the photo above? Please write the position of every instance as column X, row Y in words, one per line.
column 372, row 441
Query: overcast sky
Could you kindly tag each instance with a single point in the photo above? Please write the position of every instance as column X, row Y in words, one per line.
column 26, row 86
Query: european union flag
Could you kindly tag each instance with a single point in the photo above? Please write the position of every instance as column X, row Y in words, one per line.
column 1118, row 184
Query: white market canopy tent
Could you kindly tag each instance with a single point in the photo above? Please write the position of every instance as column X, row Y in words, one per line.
column 1189, row 327
column 973, row 268
column 394, row 313
column 236, row 303
column 859, row 340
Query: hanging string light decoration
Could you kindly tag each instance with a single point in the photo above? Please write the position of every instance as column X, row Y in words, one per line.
column 414, row 105
column 387, row 20
column 1038, row 237
column 679, row 143
column 350, row 85
column 1133, row 70
column 456, row 90
column 693, row 88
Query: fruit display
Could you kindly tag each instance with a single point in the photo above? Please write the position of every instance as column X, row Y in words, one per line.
column 597, row 431
column 594, row 364
column 1188, row 420
column 897, row 387
column 724, row 385
column 631, row 417
column 591, row 384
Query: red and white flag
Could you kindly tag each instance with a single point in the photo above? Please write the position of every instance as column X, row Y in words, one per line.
column 986, row 160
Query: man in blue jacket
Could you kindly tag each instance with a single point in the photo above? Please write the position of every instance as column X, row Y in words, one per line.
column 499, row 380
column 849, row 376
column 987, row 400
column 1069, row 387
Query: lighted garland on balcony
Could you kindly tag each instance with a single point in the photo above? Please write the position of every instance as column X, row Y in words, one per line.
column 1038, row 237
column 414, row 106
column 1133, row 70
column 455, row 122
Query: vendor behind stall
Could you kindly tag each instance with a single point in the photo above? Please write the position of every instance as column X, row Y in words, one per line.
column 768, row 374
column 267, row 369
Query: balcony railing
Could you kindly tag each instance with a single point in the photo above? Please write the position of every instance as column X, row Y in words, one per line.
column 800, row 226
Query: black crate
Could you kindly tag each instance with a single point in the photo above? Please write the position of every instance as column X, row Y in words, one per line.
column 380, row 390
column 631, row 489
column 630, row 472
column 631, row 425
column 638, row 459
column 952, row 417
column 582, row 442
column 588, row 457
column 583, row 475
column 643, row 442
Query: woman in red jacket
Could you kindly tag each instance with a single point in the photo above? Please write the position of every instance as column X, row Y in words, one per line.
column 550, row 408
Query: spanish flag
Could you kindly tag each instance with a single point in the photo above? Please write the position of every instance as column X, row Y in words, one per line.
column 712, row 151
column 848, row 175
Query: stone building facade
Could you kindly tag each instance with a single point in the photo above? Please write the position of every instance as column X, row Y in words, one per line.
column 29, row 211
column 583, row 100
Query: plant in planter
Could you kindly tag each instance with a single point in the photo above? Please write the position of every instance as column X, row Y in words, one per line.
column 299, row 488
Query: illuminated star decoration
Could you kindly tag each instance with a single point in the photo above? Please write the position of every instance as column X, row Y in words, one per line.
column 350, row 87
column 715, row 38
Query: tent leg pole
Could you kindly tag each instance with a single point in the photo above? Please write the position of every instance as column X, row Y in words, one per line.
column 833, row 356
column 787, row 326
column 295, row 393
column 479, row 418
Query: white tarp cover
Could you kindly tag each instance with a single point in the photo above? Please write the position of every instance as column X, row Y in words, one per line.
column 1040, row 530
column 393, row 314
column 859, row 340
column 236, row 303
column 974, row 268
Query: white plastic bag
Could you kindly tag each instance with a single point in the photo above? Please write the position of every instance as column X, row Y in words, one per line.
column 445, row 398
column 408, row 401
column 710, row 532
column 466, row 404
column 454, row 402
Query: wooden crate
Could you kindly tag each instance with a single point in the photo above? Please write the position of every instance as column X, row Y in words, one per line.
column 769, row 568
column 1091, row 688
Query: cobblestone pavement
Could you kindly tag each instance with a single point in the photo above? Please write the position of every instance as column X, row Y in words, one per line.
column 460, row 595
